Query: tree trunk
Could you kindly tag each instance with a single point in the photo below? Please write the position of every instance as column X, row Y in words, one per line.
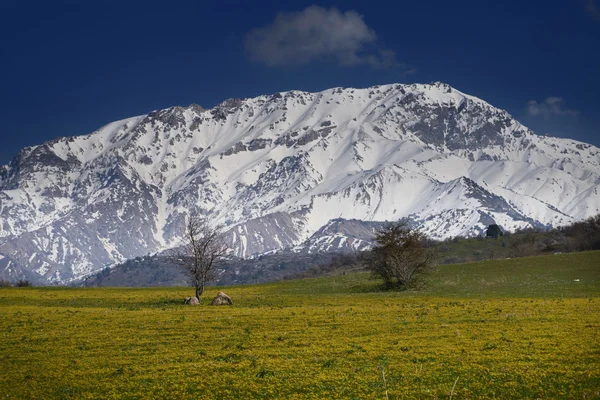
column 199, row 290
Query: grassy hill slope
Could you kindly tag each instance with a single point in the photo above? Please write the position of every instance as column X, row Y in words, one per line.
column 557, row 275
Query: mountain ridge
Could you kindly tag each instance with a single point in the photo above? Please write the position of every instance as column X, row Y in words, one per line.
column 275, row 169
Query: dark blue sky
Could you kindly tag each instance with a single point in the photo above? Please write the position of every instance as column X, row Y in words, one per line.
column 69, row 67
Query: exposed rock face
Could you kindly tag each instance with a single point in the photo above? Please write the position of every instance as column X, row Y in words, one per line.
column 191, row 301
column 221, row 299
column 278, row 172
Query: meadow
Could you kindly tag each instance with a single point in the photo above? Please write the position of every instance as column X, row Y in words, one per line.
column 517, row 328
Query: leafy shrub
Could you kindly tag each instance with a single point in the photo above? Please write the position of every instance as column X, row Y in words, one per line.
column 399, row 255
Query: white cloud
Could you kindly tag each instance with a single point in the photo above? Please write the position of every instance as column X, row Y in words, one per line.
column 551, row 106
column 317, row 33
column 592, row 9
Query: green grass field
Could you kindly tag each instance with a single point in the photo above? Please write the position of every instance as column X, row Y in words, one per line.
column 520, row 328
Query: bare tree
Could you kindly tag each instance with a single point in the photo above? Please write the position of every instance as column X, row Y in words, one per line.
column 399, row 255
column 523, row 245
column 202, row 247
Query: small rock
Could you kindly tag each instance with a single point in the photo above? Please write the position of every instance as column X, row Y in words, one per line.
column 221, row 299
column 191, row 301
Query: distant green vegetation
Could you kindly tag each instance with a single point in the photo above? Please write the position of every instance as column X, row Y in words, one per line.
column 579, row 236
column 518, row 328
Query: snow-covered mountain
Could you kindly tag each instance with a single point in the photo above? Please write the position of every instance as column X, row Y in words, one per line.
column 290, row 170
